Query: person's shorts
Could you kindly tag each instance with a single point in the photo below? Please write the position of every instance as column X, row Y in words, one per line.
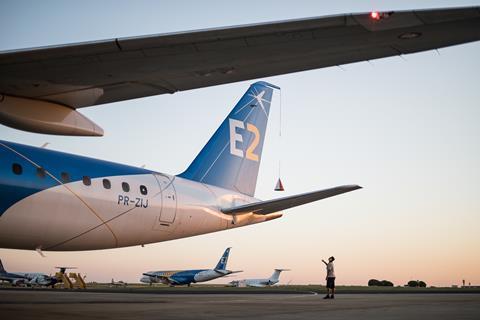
column 331, row 283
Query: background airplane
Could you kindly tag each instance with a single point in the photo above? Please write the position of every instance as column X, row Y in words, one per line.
column 26, row 278
column 120, row 283
column 186, row 277
column 83, row 203
column 259, row 283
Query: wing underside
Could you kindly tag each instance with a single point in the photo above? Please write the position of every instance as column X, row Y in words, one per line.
column 86, row 74
column 93, row 73
column 164, row 279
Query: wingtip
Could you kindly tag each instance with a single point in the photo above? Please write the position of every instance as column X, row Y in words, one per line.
column 352, row 187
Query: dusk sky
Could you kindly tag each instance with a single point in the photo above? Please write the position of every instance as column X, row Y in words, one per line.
column 406, row 129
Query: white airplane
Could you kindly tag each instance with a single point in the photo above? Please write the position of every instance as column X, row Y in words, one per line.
column 120, row 283
column 259, row 283
column 187, row 277
column 56, row 201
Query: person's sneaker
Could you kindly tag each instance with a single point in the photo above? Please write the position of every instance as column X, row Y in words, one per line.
column 326, row 297
column 332, row 297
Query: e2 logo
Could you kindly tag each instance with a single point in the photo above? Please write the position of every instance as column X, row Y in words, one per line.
column 236, row 137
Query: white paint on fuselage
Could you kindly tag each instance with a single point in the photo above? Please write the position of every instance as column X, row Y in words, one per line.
column 207, row 275
column 74, row 216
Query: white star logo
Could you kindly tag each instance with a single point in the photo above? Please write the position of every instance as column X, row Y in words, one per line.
column 259, row 100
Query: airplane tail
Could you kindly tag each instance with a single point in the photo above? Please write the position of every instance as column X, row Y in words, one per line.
column 231, row 157
column 222, row 263
column 276, row 274
column 2, row 269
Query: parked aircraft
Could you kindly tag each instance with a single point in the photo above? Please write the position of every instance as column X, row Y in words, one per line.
column 259, row 283
column 26, row 278
column 120, row 283
column 186, row 277
column 83, row 204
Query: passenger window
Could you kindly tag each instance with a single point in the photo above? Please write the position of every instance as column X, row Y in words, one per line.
column 65, row 177
column 106, row 184
column 143, row 190
column 125, row 187
column 86, row 180
column 41, row 172
column 16, row 168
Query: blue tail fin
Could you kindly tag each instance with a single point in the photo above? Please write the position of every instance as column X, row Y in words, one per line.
column 2, row 269
column 222, row 263
column 231, row 157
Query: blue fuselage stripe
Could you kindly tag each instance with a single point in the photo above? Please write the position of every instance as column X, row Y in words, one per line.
column 15, row 187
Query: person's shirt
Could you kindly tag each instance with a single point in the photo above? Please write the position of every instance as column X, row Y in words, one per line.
column 330, row 270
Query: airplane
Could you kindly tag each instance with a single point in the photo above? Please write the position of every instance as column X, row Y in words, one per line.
column 259, row 283
column 120, row 283
column 26, row 278
column 61, row 202
column 82, row 203
column 187, row 277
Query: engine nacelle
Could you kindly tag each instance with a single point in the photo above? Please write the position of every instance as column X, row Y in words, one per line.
column 45, row 117
column 18, row 282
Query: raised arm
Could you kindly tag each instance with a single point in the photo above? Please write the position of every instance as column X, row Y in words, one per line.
column 324, row 262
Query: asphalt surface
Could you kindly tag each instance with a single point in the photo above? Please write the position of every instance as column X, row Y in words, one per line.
column 34, row 304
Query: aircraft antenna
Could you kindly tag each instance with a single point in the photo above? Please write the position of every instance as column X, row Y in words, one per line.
column 279, row 185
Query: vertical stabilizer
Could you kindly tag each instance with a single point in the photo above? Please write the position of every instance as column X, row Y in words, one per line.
column 231, row 157
column 222, row 263
column 276, row 275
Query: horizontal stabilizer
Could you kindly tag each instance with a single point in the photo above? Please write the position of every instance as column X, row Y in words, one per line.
column 227, row 271
column 270, row 206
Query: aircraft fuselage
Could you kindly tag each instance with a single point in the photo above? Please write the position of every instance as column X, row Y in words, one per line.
column 56, row 201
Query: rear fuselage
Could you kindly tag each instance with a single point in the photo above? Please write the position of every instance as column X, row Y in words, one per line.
column 57, row 201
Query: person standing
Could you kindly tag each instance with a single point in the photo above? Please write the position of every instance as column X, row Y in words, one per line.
column 330, row 278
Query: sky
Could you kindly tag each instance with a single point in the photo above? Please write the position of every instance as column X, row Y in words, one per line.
column 404, row 129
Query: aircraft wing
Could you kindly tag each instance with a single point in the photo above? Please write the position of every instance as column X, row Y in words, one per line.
column 270, row 206
column 92, row 73
column 165, row 278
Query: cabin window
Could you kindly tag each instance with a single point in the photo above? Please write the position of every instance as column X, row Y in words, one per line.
column 65, row 177
column 16, row 168
column 41, row 172
column 86, row 180
column 107, row 184
column 125, row 187
column 143, row 190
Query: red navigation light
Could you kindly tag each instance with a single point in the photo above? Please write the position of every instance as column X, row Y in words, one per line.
column 375, row 15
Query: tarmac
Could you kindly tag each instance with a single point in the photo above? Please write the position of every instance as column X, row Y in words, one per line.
column 60, row 304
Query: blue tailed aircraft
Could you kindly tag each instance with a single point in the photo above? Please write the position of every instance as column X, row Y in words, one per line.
column 51, row 200
column 187, row 277
column 26, row 278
